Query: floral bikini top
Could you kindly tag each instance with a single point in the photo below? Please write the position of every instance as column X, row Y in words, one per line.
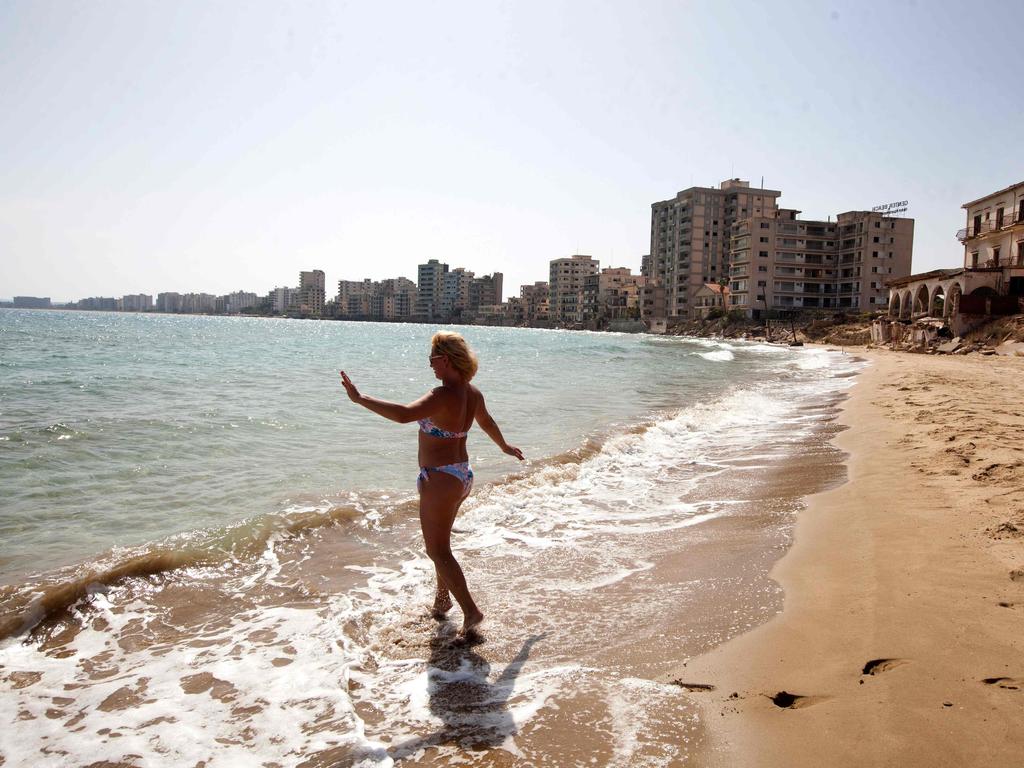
column 428, row 427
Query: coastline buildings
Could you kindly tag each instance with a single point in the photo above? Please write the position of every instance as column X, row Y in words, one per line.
column 779, row 262
column 429, row 289
column 535, row 300
column 690, row 238
column 282, row 299
column 31, row 302
column 565, row 286
column 611, row 294
column 991, row 280
column 770, row 259
column 391, row 299
column 311, row 293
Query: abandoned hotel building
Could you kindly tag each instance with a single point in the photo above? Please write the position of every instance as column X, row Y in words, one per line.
column 991, row 280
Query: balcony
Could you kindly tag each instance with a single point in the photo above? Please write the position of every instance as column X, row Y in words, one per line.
column 988, row 227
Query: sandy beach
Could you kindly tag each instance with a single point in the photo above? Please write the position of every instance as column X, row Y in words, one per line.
column 901, row 639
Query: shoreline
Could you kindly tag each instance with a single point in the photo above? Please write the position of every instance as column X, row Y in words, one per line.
column 899, row 642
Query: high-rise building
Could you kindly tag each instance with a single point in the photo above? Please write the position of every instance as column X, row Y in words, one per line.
column 565, row 286
column 690, row 237
column 781, row 262
column 430, row 289
column 139, row 302
column 536, row 300
column 311, row 292
column 168, row 302
column 283, row 299
column 485, row 291
column 455, row 296
column 32, row 302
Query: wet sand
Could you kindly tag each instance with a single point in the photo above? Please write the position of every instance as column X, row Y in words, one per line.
column 901, row 638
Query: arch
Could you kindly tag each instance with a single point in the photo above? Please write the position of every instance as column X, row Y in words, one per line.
column 937, row 301
column 920, row 301
column 894, row 303
column 952, row 304
column 905, row 305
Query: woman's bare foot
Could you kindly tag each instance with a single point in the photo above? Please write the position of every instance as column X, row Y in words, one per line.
column 442, row 604
column 471, row 625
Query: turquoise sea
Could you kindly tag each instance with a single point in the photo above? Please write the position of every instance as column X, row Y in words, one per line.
column 220, row 553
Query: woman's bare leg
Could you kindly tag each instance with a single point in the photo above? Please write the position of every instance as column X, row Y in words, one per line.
column 440, row 498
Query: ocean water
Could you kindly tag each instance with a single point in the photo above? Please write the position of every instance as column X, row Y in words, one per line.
column 209, row 556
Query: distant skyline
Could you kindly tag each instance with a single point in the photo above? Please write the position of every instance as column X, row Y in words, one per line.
column 192, row 146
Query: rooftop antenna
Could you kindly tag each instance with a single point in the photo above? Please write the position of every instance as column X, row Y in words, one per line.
column 762, row 182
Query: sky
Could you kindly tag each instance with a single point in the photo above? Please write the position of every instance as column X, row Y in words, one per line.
column 214, row 147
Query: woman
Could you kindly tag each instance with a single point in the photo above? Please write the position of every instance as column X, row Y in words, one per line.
column 445, row 415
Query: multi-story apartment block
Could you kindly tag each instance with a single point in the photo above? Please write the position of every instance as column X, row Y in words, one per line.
column 779, row 262
column 486, row 290
column 430, row 289
column 455, row 294
column 312, row 287
column 612, row 294
column 239, row 301
column 139, row 302
column 32, row 302
column 354, row 297
column 535, row 300
column 690, row 237
column 566, row 287
column 98, row 303
column 168, row 302
column 391, row 299
column 282, row 299
column 397, row 299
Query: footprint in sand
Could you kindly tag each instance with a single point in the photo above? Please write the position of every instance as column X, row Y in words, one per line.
column 1009, row 683
column 878, row 666
column 787, row 700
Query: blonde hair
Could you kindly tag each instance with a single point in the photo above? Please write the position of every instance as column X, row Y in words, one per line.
column 455, row 348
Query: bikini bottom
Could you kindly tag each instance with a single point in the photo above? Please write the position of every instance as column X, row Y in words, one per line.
column 462, row 471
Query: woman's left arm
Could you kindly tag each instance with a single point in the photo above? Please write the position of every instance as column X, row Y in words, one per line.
column 403, row 414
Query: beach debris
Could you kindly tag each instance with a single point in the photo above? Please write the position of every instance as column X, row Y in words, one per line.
column 787, row 700
column 1008, row 683
column 693, row 686
column 951, row 346
column 947, row 703
column 1017, row 575
column 878, row 666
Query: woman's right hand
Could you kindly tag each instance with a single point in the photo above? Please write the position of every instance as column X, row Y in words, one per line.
column 350, row 388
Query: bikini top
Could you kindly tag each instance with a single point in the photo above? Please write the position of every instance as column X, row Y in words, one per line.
column 428, row 427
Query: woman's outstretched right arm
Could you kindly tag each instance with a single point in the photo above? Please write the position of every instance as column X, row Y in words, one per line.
column 490, row 427
column 403, row 414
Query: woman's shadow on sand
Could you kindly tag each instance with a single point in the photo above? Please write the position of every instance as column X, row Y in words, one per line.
column 474, row 710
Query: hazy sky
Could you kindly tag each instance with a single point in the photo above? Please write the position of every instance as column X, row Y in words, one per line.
column 221, row 146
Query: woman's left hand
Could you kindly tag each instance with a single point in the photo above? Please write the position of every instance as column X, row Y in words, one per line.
column 350, row 388
column 511, row 450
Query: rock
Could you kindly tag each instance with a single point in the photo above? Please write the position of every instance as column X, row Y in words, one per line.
column 950, row 346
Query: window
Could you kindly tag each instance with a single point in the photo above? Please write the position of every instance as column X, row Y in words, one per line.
column 762, row 254
column 762, row 267
column 875, row 239
column 892, row 240
column 764, row 239
column 764, row 225
column 995, row 256
column 762, row 283
column 878, row 224
column 874, row 254
column 874, row 269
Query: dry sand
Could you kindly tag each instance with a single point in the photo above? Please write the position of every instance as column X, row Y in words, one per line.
column 902, row 636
